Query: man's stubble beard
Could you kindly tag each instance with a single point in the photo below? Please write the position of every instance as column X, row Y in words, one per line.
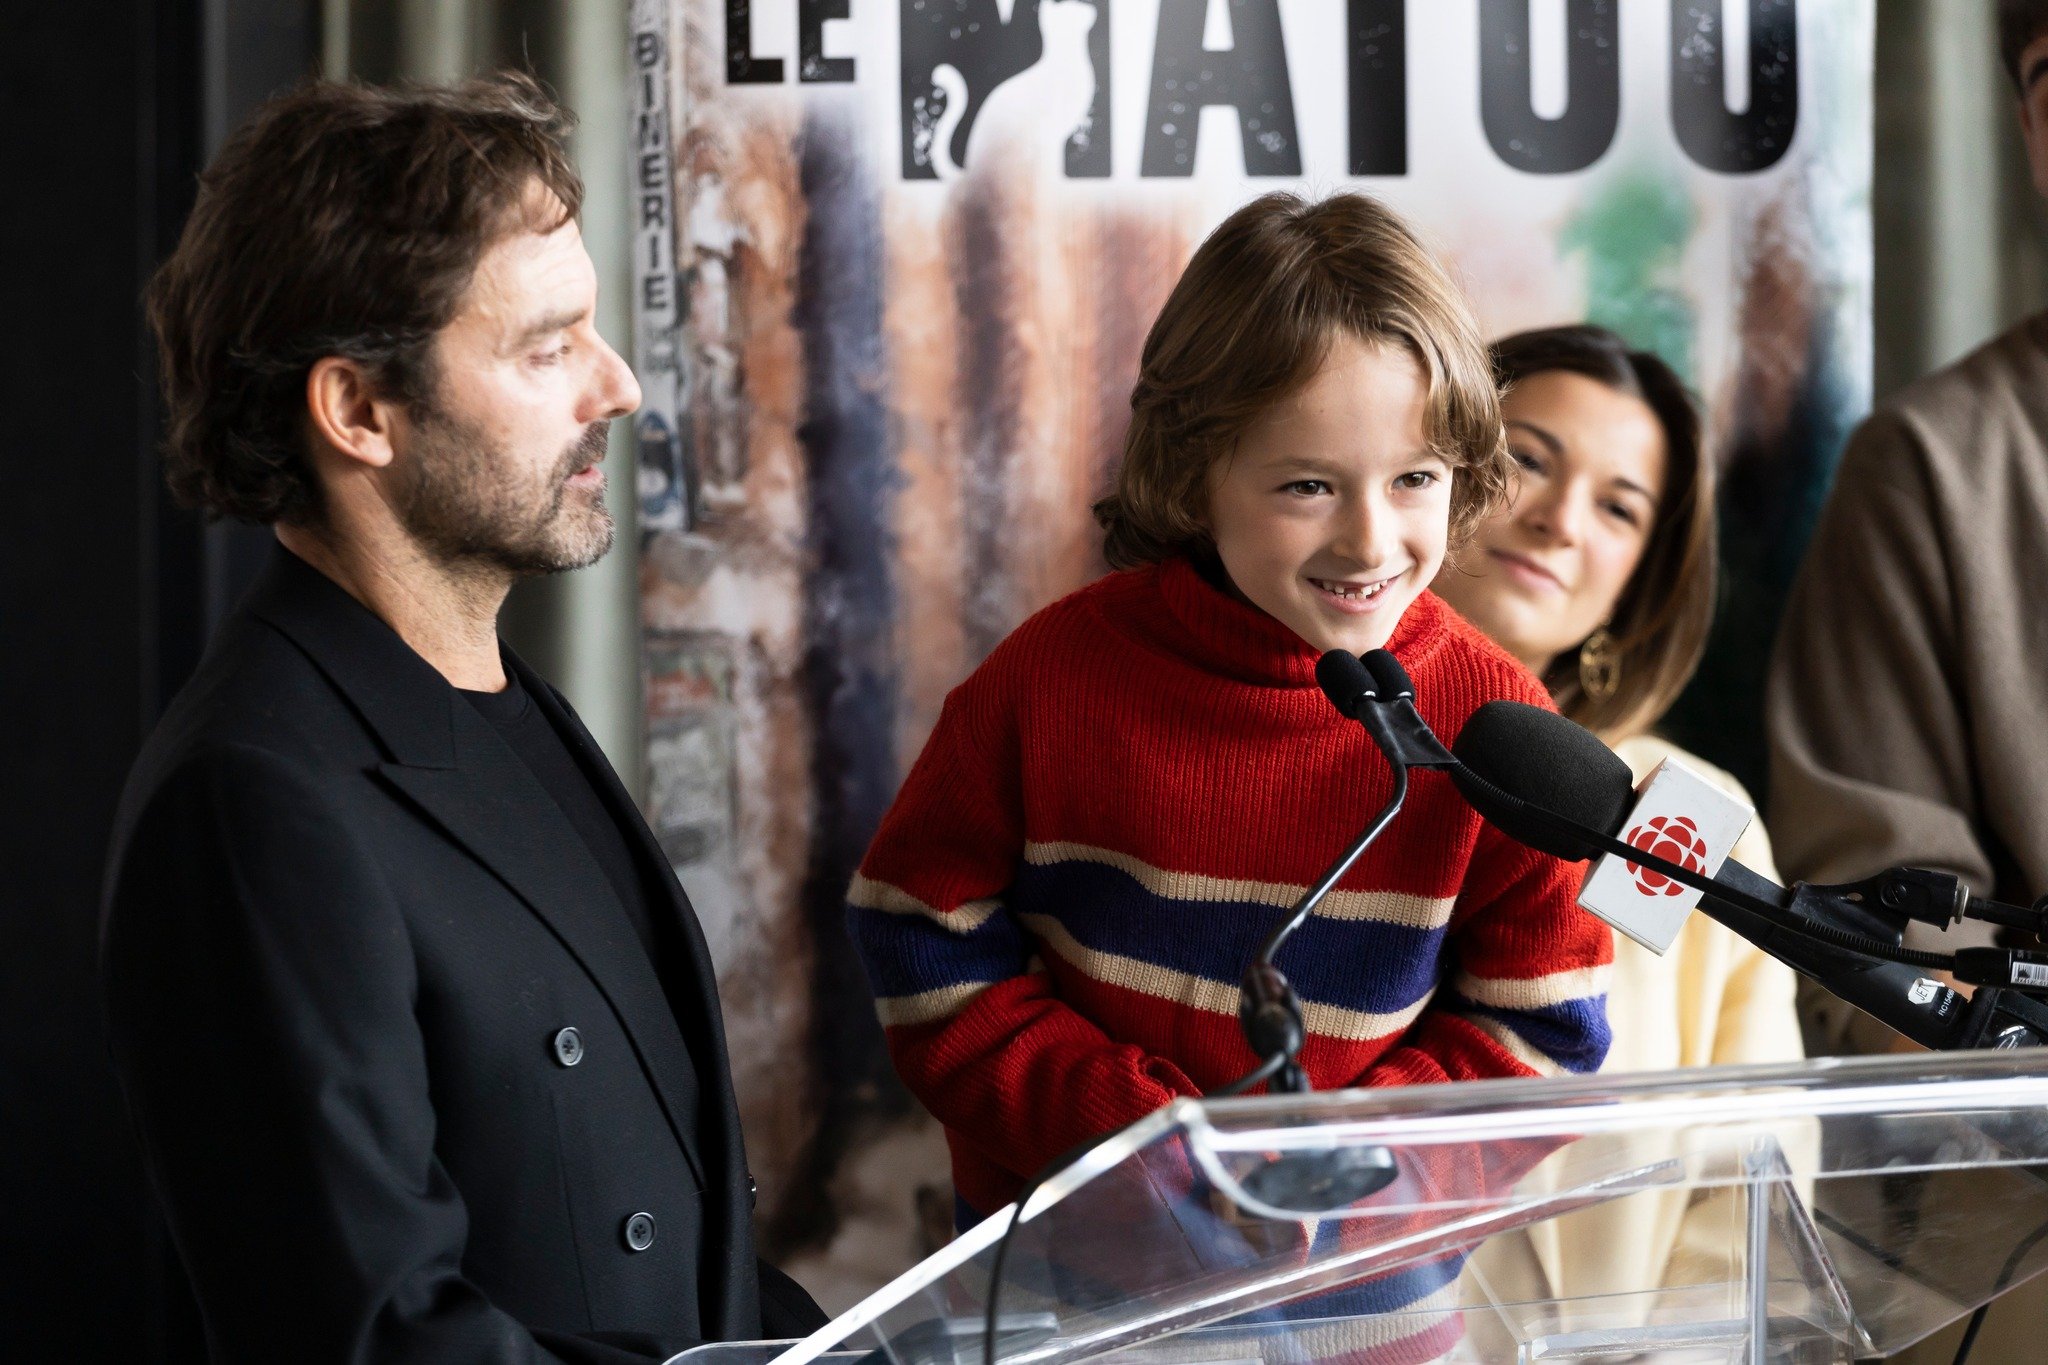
column 457, row 503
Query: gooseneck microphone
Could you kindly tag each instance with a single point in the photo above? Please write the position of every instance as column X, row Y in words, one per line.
column 1268, row 1011
column 1556, row 787
column 1377, row 693
column 1387, row 710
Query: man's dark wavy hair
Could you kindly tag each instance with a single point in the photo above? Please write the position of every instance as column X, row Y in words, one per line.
column 2019, row 23
column 341, row 220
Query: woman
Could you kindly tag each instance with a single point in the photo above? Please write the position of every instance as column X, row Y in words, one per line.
column 1599, row 575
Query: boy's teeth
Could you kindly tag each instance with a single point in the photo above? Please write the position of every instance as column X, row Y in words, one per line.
column 1349, row 589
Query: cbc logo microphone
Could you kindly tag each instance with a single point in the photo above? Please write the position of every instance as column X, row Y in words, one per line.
column 1675, row 839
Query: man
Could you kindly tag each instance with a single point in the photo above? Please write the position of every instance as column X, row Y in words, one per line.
column 1911, row 676
column 419, row 1032
column 1910, row 684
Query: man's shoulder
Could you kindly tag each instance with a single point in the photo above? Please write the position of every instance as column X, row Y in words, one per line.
column 1977, row 409
column 2010, row 361
column 258, row 689
column 256, row 701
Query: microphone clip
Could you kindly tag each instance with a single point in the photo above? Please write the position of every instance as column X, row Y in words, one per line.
column 1402, row 734
column 1378, row 694
column 1270, row 1015
column 1898, row 895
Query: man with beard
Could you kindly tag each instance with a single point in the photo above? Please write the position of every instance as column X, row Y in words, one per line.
column 419, row 1033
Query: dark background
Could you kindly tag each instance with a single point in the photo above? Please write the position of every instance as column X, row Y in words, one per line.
column 106, row 593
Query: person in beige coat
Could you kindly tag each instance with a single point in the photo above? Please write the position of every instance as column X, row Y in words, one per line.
column 1910, row 683
column 1910, row 680
column 1909, row 688
column 1599, row 575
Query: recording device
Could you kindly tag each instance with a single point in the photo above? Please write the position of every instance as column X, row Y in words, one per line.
column 1376, row 692
column 1379, row 695
column 1680, row 816
column 1268, row 1011
column 1554, row 786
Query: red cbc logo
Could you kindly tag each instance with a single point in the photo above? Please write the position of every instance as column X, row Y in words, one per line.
column 1673, row 838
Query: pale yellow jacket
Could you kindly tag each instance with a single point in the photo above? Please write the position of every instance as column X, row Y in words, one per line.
column 1712, row 999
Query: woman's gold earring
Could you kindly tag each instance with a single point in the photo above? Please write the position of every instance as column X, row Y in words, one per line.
column 1599, row 665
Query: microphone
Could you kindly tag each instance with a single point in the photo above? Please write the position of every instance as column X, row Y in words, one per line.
column 1554, row 786
column 1680, row 816
column 1375, row 690
column 1346, row 681
column 1269, row 1013
column 1510, row 749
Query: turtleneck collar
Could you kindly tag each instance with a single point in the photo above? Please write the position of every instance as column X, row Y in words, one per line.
column 1232, row 637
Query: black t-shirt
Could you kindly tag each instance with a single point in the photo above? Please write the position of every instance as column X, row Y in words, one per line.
column 525, row 727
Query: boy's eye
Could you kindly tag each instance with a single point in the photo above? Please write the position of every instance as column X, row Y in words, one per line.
column 1416, row 479
column 1307, row 488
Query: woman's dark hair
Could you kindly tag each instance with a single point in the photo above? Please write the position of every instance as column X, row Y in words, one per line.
column 341, row 220
column 1659, row 627
column 1251, row 320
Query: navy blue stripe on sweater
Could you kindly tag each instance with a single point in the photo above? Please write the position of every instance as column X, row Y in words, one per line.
column 911, row 954
column 1367, row 965
column 1574, row 1034
column 1392, row 1292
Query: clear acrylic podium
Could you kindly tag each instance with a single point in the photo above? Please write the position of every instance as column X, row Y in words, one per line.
column 1836, row 1210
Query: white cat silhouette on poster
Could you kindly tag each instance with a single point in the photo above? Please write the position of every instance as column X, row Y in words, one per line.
column 1025, row 120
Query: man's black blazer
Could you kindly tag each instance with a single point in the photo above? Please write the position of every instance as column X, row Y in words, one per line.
column 408, row 1087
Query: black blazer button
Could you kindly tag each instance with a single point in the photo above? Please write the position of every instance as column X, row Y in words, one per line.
column 568, row 1047
column 640, row 1232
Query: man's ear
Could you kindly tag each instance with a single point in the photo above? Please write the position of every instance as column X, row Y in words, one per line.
column 347, row 414
column 2034, row 138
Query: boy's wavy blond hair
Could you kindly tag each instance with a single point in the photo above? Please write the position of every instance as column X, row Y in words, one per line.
column 1251, row 321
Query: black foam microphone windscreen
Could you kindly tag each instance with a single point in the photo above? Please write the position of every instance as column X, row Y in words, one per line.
column 1528, row 754
column 1390, row 680
column 1344, row 680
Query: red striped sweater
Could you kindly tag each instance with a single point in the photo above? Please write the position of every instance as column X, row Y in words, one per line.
column 1117, row 807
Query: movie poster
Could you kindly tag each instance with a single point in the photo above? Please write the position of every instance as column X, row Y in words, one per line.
column 895, row 261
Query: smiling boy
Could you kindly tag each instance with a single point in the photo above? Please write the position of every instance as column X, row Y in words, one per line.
column 1121, row 801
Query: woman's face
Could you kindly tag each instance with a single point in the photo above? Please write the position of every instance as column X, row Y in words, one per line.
column 1546, row 572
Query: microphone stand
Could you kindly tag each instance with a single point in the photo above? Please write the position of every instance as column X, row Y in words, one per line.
column 1268, row 1010
column 1374, row 691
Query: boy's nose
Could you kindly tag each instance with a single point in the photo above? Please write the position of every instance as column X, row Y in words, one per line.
column 1357, row 538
